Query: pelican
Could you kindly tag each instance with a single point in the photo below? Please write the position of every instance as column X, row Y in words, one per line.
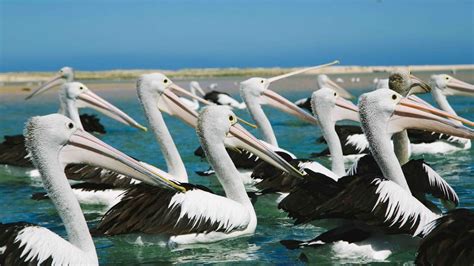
column 323, row 82
column 353, row 139
column 420, row 176
column 192, row 103
column 445, row 85
column 187, row 213
column 71, row 95
column 420, row 142
column 255, row 92
column 328, row 107
column 156, row 94
column 66, row 74
column 222, row 98
column 383, row 201
column 55, row 141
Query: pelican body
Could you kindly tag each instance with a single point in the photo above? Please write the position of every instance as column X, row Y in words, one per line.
column 55, row 141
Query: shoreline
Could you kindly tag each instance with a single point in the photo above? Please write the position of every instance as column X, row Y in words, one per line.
column 132, row 74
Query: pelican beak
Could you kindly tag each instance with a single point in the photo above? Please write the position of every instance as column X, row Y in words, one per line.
column 418, row 86
column 180, row 90
column 458, row 87
column 296, row 72
column 276, row 100
column 92, row 100
column 169, row 102
column 83, row 147
column 45, row 86
column 419, row 100
column 412, row 114
column 239, row 137
column 345, row 110
column 340, row 90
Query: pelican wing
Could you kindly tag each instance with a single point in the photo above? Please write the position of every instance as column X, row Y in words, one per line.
column 422, row 178
column 153, row 210
column 378, row 202
column 13, row 152
column 28, row 244
column 448, row 240
column 364, row 165
column 91, row 123
column 309, row 193
column 98, row 175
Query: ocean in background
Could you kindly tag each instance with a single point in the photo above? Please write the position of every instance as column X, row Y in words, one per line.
column 273, row 225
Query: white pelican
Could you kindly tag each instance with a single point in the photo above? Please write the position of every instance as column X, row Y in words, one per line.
column 193, row 103
column 255, row 92
column 420, row 176
column 445, row 85
column 188, row 213
column 54, row 141
column 382, row 201
column 66, row 74
column 156, row 93
column 222, row 98
column 324, row 82
column 353, row 140
column 418, row 141
column 328, row 108
column 71, row 96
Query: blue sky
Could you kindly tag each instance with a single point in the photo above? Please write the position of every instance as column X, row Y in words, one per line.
column 107, row 34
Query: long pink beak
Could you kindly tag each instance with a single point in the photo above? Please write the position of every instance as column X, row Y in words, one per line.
column 412, row 114
column 92, row 100
column 56, row 80
column 83, row 147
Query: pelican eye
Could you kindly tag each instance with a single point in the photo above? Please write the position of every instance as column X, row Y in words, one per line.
column 394, row 96
column 447, row 78
column 335, row 94
column 232, row 119
column 70, row 125
column 81, row 88
column 261, row 81
column 165, row 81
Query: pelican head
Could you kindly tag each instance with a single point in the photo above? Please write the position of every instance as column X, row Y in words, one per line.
column 385, row 112
column 65, row 74
column 56, row 141
column 157, row 89
column 255, row 91
column 219, row 125
column 405, row 83
column 329, row 107
column 325, row 81
column 451, row 86
column 78, row 94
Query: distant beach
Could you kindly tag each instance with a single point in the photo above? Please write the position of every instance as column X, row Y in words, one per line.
column 351, row 77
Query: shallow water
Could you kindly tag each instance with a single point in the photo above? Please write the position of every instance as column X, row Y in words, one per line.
column 273, row 225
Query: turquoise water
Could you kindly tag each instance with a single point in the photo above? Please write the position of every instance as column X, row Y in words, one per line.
column 273, row 226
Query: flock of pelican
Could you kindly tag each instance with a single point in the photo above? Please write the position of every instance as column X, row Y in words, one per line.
column 383, row 200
